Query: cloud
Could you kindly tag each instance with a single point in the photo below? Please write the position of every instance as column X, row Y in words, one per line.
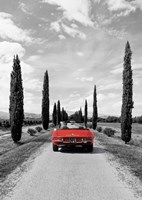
column 55, row 26
column 60, row 27
column 120, row 5
column 119, row 68
column 8, row 29
column 74, row 26
column 113, row 85
column 100, row 97
column 85, row 79
column 74, row 95
column 33, row 58
column 117, row 71
column 120, row 34
column 124, row 6
column 79, row 53
column 32, row 84
column 104, row 97
column 26, row 68
column 24, row 8
column 62, row 37
column 9, row 49
column 104, row 102
column 31, row 104
column 73, row 32
column 74, row 10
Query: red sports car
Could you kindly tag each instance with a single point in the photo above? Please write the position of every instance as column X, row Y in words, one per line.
column 72, row 137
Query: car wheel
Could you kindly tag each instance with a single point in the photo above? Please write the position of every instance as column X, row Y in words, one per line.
column 55, row 147
column 90, row 148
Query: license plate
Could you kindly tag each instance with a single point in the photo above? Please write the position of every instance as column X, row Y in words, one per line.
column 72, row 140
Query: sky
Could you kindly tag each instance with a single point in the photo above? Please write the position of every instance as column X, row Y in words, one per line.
column 80, row 42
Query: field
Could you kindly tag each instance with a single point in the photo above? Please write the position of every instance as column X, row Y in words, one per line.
column 136, row 128
column 136, row 132
column 12, row 155
column 128, row 155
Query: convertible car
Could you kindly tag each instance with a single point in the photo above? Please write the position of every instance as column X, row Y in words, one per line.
column 72, row 137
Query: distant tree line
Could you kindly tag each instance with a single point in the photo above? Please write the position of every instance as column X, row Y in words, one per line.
column 32, row 121
column 27, row 122
column 137, row 119
column 110, row 119
column 77, row 116
column 59, row 114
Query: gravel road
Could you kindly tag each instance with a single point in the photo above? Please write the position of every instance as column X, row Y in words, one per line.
column 71, row 175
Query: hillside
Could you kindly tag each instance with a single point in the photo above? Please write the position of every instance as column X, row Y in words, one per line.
column 5, row 115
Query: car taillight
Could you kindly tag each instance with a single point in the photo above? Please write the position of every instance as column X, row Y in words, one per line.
column 57, row 138
column 89, row 138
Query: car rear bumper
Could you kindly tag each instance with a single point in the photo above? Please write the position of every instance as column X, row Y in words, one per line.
column 78, row 144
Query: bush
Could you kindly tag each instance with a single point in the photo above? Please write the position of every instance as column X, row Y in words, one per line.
column 31, row 131
column 99, row 129
column 51, row 125
column 38, row 128
column 89, row 125
column 5, row 124
column 109, row 132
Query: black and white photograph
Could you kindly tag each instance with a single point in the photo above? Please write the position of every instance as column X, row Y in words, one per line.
column 70, row 99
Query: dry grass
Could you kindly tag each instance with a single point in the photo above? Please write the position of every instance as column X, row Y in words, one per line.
column 12, row 155
column 129, row 155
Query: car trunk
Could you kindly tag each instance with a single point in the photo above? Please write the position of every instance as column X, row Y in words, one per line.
column 73, row 133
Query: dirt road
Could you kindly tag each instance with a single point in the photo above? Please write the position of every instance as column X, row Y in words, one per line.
column 71, row 175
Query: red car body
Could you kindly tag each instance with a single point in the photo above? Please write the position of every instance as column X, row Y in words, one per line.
column 72, row 137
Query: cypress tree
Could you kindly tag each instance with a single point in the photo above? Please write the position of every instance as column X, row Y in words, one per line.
column 85, row 113
column 63, row 114
column 127, row 98
column 66, row 116
column 95, row 109
column 54, row 115
column 16, row 109
column 80, row 115
column 45, row 102
column 58, row 113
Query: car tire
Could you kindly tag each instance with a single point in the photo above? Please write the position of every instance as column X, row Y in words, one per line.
column 55, row 147
column 90, row 148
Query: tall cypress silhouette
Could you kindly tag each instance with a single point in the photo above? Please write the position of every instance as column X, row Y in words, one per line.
column 95, row 109
column 80, row 115
column 45, row 102
column 85, row 113
column 127, row 99
column 58, row 113
column 54, row 115
column 16, row 109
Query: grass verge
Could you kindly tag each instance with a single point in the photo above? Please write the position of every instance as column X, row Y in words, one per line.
column 13, row 155
column 128, row 155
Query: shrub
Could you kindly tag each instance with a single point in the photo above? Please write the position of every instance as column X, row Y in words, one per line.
column 51, row 125
column 31, row 131
column 109, row 132
column 99, row 129
column 6, row 124
column 89, row 125
column 38, row 128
